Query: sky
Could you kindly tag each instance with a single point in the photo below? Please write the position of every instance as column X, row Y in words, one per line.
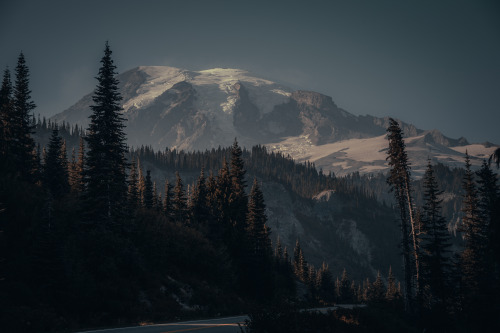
column 435, row 64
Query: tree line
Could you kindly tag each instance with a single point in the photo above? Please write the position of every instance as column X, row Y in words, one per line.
column 440, row 286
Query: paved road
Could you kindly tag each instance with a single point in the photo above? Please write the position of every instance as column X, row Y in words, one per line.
column 220, row 325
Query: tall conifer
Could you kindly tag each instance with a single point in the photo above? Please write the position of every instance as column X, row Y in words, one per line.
column 179, row 201
column 55, row 172
column 6, row 122
column 400, row 183
column 435, row 247
column 22, row 124
column 106, row 162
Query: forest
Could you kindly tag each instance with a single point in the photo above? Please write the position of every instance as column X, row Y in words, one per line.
column 89, row 239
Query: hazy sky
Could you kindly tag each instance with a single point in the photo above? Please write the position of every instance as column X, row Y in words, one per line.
column 433, row 63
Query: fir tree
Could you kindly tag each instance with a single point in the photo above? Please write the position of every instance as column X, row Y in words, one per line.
column 325, row 283
column 133, row 183
column 179, row 206
column 79, row 169
column 148, row 191
column 436, row 240
column 489, row 208
column 392, row 288
column 106, row 162
column 238, row 199
column 472, row 228
column 256, row 229
column 167, row 201
column 22, row 125
column 378, row 292
column 141, row 185
column 6, row 122
column 400, row 182
column 55, row 174
column 344, row 289
column 198, row 206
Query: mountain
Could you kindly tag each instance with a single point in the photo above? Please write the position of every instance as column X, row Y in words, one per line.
column 198, row 110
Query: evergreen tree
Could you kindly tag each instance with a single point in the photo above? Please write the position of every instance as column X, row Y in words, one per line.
column 55, row 174
column 133, row 183
column 436, row 241
column 344, row 289
column 22, row 143
column 222, row 202
column 106, row 157
column 392, row 288
column 238, row 199
column 179, row 206
column 299, row 262
column 473, row 231
column 79, row 170
column 256, row 229
column 148, row 191
column 495, row 157
column 167, row 201
column 326, row 288
column 278, row 252
column 141, row 185
column 72, row 171
column 198, row 207
column 475, row 291
column 378, row 292
column 400, row 182
column 6, row 122
column 258, row 250
column 489, row 208
column 155, row 196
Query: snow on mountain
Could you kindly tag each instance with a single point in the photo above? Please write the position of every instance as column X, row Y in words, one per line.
column 197, row 110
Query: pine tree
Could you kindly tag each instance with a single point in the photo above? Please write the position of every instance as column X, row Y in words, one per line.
column 148, row 191
column 22, row 126
column 400, row 181
column 72, row 171
column 378, row 291
column 325, row 283
column 179, row 206
column 299, row 262
column 198, row 206
column 167, row 201
column 78, row 175
column 222, row 203
column 472, row 228
column 256, row 229
column 155, row 196
column 133, row 186
column 344, row 289
column 436, row 241
column 6, row 123
column 475, row 291
column 489, row 208
column 238, row 199
column 55, row 172
column 106, row 157
column 392, row 288
column 141, row 183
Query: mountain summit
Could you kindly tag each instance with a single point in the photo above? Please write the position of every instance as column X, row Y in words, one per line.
column 198, row 110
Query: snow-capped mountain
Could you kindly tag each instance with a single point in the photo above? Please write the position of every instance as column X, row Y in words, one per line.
column 198, row 110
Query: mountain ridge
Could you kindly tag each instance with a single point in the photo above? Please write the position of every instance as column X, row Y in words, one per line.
column 198, row 110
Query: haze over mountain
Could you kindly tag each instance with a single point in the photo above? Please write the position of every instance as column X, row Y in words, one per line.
column 198, row 110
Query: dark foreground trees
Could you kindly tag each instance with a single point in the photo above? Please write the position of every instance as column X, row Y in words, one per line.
column 400, row 183
column 106, row 164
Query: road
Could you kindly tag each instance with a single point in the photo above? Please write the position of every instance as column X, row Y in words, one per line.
column 220, row 325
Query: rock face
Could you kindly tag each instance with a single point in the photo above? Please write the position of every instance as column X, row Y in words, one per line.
column 198, row 110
